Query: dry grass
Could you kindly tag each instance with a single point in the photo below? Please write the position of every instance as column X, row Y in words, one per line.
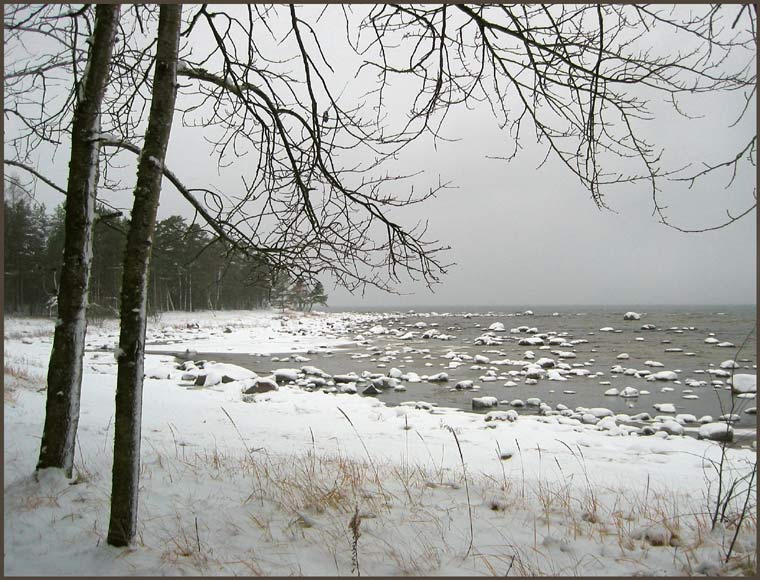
column 19, row 374
column 257, row 514
column 316, row 497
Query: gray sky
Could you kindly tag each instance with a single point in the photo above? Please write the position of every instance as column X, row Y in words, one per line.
column 528, row 236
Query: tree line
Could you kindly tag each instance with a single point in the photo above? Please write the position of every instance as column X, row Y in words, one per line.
column 190, row 269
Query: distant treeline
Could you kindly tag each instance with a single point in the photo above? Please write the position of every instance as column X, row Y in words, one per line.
column 190, row 269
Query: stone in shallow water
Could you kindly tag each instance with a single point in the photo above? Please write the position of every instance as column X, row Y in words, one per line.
column 716, row 432
column 371, row 390
column 484, row 402
column 743, row 383
column 671, row 428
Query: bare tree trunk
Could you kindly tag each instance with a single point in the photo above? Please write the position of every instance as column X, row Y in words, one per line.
column 129, row 385
column 64, row 379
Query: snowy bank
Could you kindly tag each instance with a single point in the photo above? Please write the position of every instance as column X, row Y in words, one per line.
column 267, row 483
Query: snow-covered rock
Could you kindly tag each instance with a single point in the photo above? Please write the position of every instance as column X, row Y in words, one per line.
column 716, row 432
column 743, row 383
column 671, row 427
column 663, row 376
column 484, row 402
column 510, row 415
column 286, row 375
column 631, row 316
column 259, row 385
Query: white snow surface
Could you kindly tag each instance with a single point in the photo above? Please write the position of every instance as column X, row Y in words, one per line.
column 272, row 480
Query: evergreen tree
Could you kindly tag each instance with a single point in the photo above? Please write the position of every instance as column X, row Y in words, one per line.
column 317, row 295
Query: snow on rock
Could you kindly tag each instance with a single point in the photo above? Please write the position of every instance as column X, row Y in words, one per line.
column 716, row 432
column 259, row 385
column 484, row 402
column 230, row 372
column 497, row 327
column 546, row 363
column 665, row 407
column 411, row 377
column 371, row 390
column 599, row 412
column 314, row 371
column 208, row 379
column 663, row 376
column 629, row 392
column 510, row 415
column 631, row 316
column 286, row 375
column 685, row 418
column 438, row 378
column 743, row 383
column 671, row 427
column 607, row 424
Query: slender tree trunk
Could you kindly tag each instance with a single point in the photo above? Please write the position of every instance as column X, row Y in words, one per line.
column 129, row 384
column 64, row 379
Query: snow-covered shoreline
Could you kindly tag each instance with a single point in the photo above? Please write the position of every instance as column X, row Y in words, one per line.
column 246, row 452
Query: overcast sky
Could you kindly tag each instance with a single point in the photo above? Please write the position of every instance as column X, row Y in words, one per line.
column 526, row 236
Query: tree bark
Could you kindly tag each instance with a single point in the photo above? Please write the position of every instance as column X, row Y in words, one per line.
column 64, row 379
column 129, row 384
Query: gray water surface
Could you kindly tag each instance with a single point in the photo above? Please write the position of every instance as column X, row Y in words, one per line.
column 683, row 328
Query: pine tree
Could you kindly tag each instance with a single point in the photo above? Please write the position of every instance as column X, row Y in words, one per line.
column 317, row 295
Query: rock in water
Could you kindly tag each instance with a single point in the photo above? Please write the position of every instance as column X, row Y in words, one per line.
column 371, row 390
column 716, row 432
column 484, row 402
column 286, row 375
column 744, row 383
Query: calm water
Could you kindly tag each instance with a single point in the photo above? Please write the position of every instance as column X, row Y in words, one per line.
column 676, row 328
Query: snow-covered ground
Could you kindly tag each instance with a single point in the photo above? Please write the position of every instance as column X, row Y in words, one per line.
column 269, row 483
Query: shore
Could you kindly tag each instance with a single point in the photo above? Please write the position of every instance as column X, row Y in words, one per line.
column 268, row 483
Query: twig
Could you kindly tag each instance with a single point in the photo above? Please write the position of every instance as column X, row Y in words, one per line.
column 466, row 489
